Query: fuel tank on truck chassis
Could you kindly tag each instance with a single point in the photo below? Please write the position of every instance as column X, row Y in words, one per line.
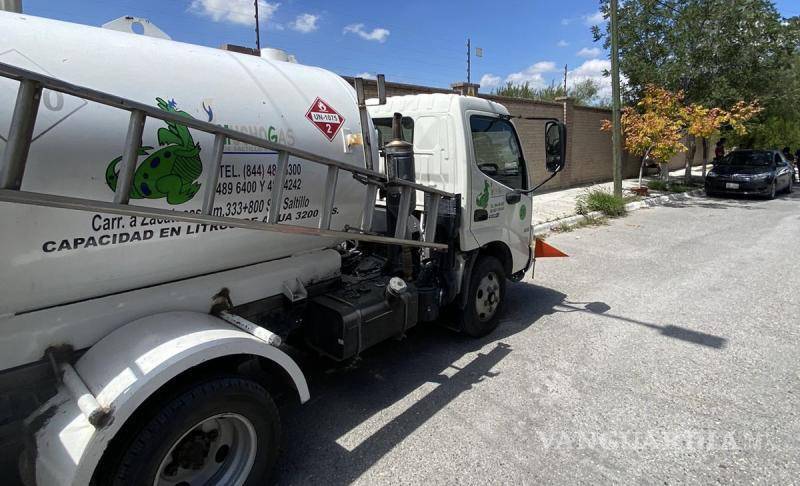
column 53, row 256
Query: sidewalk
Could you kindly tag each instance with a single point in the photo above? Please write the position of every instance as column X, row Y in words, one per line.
column 555, row 205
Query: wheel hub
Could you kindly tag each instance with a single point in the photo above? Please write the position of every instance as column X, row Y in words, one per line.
column 218, row 450
column 487, row 297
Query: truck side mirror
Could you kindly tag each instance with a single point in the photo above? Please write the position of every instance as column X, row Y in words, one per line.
column 555, row 146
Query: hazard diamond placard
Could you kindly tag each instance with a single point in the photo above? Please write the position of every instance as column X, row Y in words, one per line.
column 328, row 120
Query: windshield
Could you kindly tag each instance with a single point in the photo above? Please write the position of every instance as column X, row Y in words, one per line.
column 747, row 158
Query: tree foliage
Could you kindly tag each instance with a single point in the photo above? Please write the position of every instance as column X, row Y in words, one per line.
column 653, row 129
column 584, row 92
column 657, row 125
column 718, row 52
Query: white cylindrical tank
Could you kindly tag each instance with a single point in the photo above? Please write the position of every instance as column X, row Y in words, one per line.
column 53, row 256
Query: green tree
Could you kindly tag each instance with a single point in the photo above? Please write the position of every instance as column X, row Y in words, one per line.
column 583, row 92
column 717, row 52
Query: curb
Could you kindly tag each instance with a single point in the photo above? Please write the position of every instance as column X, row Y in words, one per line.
column 543, row 228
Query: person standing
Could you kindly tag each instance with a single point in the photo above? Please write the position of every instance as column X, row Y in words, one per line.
column 787, row 154
column 719, row 150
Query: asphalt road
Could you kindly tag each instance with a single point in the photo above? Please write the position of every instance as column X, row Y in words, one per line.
column 664, row 350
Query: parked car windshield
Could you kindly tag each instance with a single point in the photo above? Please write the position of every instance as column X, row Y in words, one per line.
column 755, row 158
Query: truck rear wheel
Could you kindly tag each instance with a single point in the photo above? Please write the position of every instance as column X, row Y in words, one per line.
column 217, row 431
column 487, row 289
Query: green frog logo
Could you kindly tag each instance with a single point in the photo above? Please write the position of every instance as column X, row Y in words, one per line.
column 483, row 198
column 523, row 211
column 170, row 172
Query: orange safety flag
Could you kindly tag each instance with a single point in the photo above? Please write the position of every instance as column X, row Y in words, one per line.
column 543, row 250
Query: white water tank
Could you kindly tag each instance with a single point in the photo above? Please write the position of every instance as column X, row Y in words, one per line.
column 53, row 256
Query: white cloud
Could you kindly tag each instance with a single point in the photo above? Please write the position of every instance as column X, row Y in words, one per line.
column 305, row 23
column 593, row 69
column 562, row 43
column 233, row 11
column 377, row 34
column 489, row 81
column 533, row 74
column 592, row 52
column 566, row 21
column 594, row 19
column 365, row 75
column 543, row 73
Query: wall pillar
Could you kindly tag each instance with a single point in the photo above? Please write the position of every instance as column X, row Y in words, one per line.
column 466, row 89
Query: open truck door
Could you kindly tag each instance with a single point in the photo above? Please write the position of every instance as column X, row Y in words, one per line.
column 499, row 181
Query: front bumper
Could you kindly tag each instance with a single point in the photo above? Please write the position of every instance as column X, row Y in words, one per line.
column 720, row 186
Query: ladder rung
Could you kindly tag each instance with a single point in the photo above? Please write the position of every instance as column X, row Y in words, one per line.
column 369, row 207
column 403, row 211
column 23, row 121
column 213, row 175
column 431, row 216
column 130, row 155
column 330, row 195
column 277, row 186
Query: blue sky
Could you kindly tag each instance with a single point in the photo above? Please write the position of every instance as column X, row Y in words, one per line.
column 411, row 41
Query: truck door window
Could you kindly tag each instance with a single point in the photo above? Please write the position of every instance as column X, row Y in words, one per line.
column 497, row 151
column 384, row 127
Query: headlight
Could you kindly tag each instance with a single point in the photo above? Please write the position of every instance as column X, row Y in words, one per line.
column 711, row 174
column 760, row 177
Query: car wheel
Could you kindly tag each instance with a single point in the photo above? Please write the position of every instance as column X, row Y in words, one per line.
column 773, row 189
column 222, row 430
column 487, row 290
column 790, row 186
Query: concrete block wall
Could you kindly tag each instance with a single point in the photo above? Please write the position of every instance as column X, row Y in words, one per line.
column 589, row 148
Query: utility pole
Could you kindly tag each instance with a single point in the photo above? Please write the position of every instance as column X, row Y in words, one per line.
column 258, row 33
column 11, row 5
column 469, row 67
column 616, row 133
column 565, row 81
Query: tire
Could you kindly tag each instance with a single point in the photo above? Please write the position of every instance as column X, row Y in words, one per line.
column 773, row 189
column 487, row 291
column 790, row 186
column 221, row 430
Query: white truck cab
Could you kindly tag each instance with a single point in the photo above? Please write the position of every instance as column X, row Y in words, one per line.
column 468, row 146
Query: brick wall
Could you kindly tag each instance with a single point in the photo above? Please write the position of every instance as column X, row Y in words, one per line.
column 588, row 149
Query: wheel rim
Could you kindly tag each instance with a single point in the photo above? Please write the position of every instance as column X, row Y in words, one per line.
column 217, row 450
column 487, row 297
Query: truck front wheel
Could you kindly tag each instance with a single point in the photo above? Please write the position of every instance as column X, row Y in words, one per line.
column 217, row 431
column 487, row 289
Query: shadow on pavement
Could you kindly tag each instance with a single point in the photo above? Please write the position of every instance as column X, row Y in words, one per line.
column 677, row 332
column 357, row 414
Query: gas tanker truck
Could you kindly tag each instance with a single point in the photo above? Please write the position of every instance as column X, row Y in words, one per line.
column 178, row 223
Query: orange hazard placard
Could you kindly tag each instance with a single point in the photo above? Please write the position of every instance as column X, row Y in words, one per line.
column 543, row 250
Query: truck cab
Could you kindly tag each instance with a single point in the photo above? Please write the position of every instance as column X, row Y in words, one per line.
column 468, row 146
